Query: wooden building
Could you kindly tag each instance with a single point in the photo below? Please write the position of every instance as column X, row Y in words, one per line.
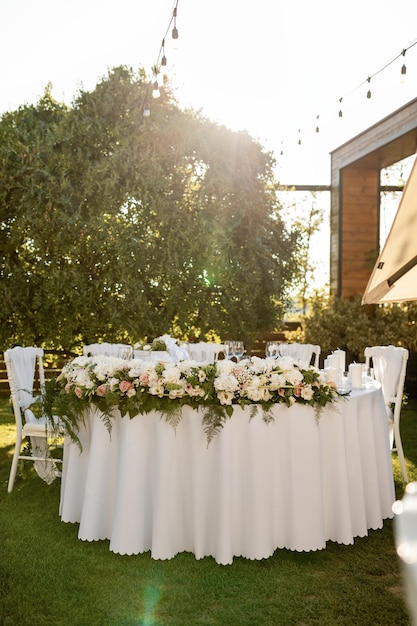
column 356, row 192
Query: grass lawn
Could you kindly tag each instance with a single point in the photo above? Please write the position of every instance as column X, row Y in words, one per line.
column 49, row 577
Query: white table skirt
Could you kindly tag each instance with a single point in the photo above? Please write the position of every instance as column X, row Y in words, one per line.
column 293, row 484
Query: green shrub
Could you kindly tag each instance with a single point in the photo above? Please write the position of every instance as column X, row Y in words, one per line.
column 334, row 322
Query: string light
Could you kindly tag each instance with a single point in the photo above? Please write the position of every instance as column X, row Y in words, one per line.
column 164, row 59
column 403, row 67
column 155, row 90
column 161, row 62
column 369, row 93
column 175, row 30
column 367, row 81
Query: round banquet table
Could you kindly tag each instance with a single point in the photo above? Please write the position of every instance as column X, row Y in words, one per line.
column 294, row 483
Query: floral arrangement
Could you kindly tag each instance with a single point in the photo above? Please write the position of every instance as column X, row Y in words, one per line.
column 137, row 386
column 158, row 345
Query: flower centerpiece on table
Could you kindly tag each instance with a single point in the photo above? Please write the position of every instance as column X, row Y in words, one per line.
column 164, row 344
column 157, row 345
column 137, row 387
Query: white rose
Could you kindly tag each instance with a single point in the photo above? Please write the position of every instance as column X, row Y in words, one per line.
column 277, row 381
column 294, row 377
column 224, row 366
column 225, row 397
column 259, row 366
column 307, row 392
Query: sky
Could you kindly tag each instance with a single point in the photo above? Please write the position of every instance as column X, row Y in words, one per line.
column 269, row 67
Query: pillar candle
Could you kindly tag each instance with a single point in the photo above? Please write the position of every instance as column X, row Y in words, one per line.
column 333, row 361
column 331, row 374
column 355, row 372
column 341, row 355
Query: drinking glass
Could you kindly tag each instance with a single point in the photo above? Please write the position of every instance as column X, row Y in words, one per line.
column 228, row 349
column 272, row 349
column 238, row 350
column 126, row 353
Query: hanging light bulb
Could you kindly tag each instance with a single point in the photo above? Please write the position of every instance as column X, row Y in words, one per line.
column 317, row 127
column 299, row 137
column 369, row 93
column 175, row 30
column 340, row 110
column 403, row 69
column 164, row 59
column 155, row 90
column 146, row 109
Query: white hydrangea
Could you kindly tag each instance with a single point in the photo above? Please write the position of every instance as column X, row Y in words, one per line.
column 171, row 374
column 285, row 363
column 82, row 379
column 226, row 382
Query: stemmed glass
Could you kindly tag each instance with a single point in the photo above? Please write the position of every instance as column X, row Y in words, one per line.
column 228, row 349
column 126, row 353
column 272, row 349
column 238, row 350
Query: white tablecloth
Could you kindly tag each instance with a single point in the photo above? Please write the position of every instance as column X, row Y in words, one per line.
column 294, row 483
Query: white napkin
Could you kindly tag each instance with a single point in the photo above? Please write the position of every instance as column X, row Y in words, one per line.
column 174, row 350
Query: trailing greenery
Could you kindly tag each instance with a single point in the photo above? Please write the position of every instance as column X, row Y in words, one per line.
column 49, row 577
column 122, row 228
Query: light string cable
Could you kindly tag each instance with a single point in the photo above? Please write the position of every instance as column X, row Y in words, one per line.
column 367, row 81
column 370, row 77
column 161, row 62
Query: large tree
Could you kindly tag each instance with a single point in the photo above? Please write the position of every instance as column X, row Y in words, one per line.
column 119, row 226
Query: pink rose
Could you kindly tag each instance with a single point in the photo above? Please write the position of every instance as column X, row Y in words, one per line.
column 67, row 388
column 125, row 385
column 102, row 390
column 297, row 391
column 144, row 379
column 78, row 392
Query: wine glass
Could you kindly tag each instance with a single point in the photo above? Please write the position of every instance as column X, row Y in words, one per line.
column 228, row 349
column 238, row 350
column 126, row 353
column 271, row 349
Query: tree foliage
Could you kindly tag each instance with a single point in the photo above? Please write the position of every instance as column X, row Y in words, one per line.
column 117, row 226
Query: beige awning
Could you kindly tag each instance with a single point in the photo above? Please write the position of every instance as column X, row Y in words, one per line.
column 394, row 277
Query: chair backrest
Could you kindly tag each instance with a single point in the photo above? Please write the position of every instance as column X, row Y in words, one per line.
column 104, row 349
column 302, row 353
column 390, row 365
column 21, row 364
column 205, row 351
